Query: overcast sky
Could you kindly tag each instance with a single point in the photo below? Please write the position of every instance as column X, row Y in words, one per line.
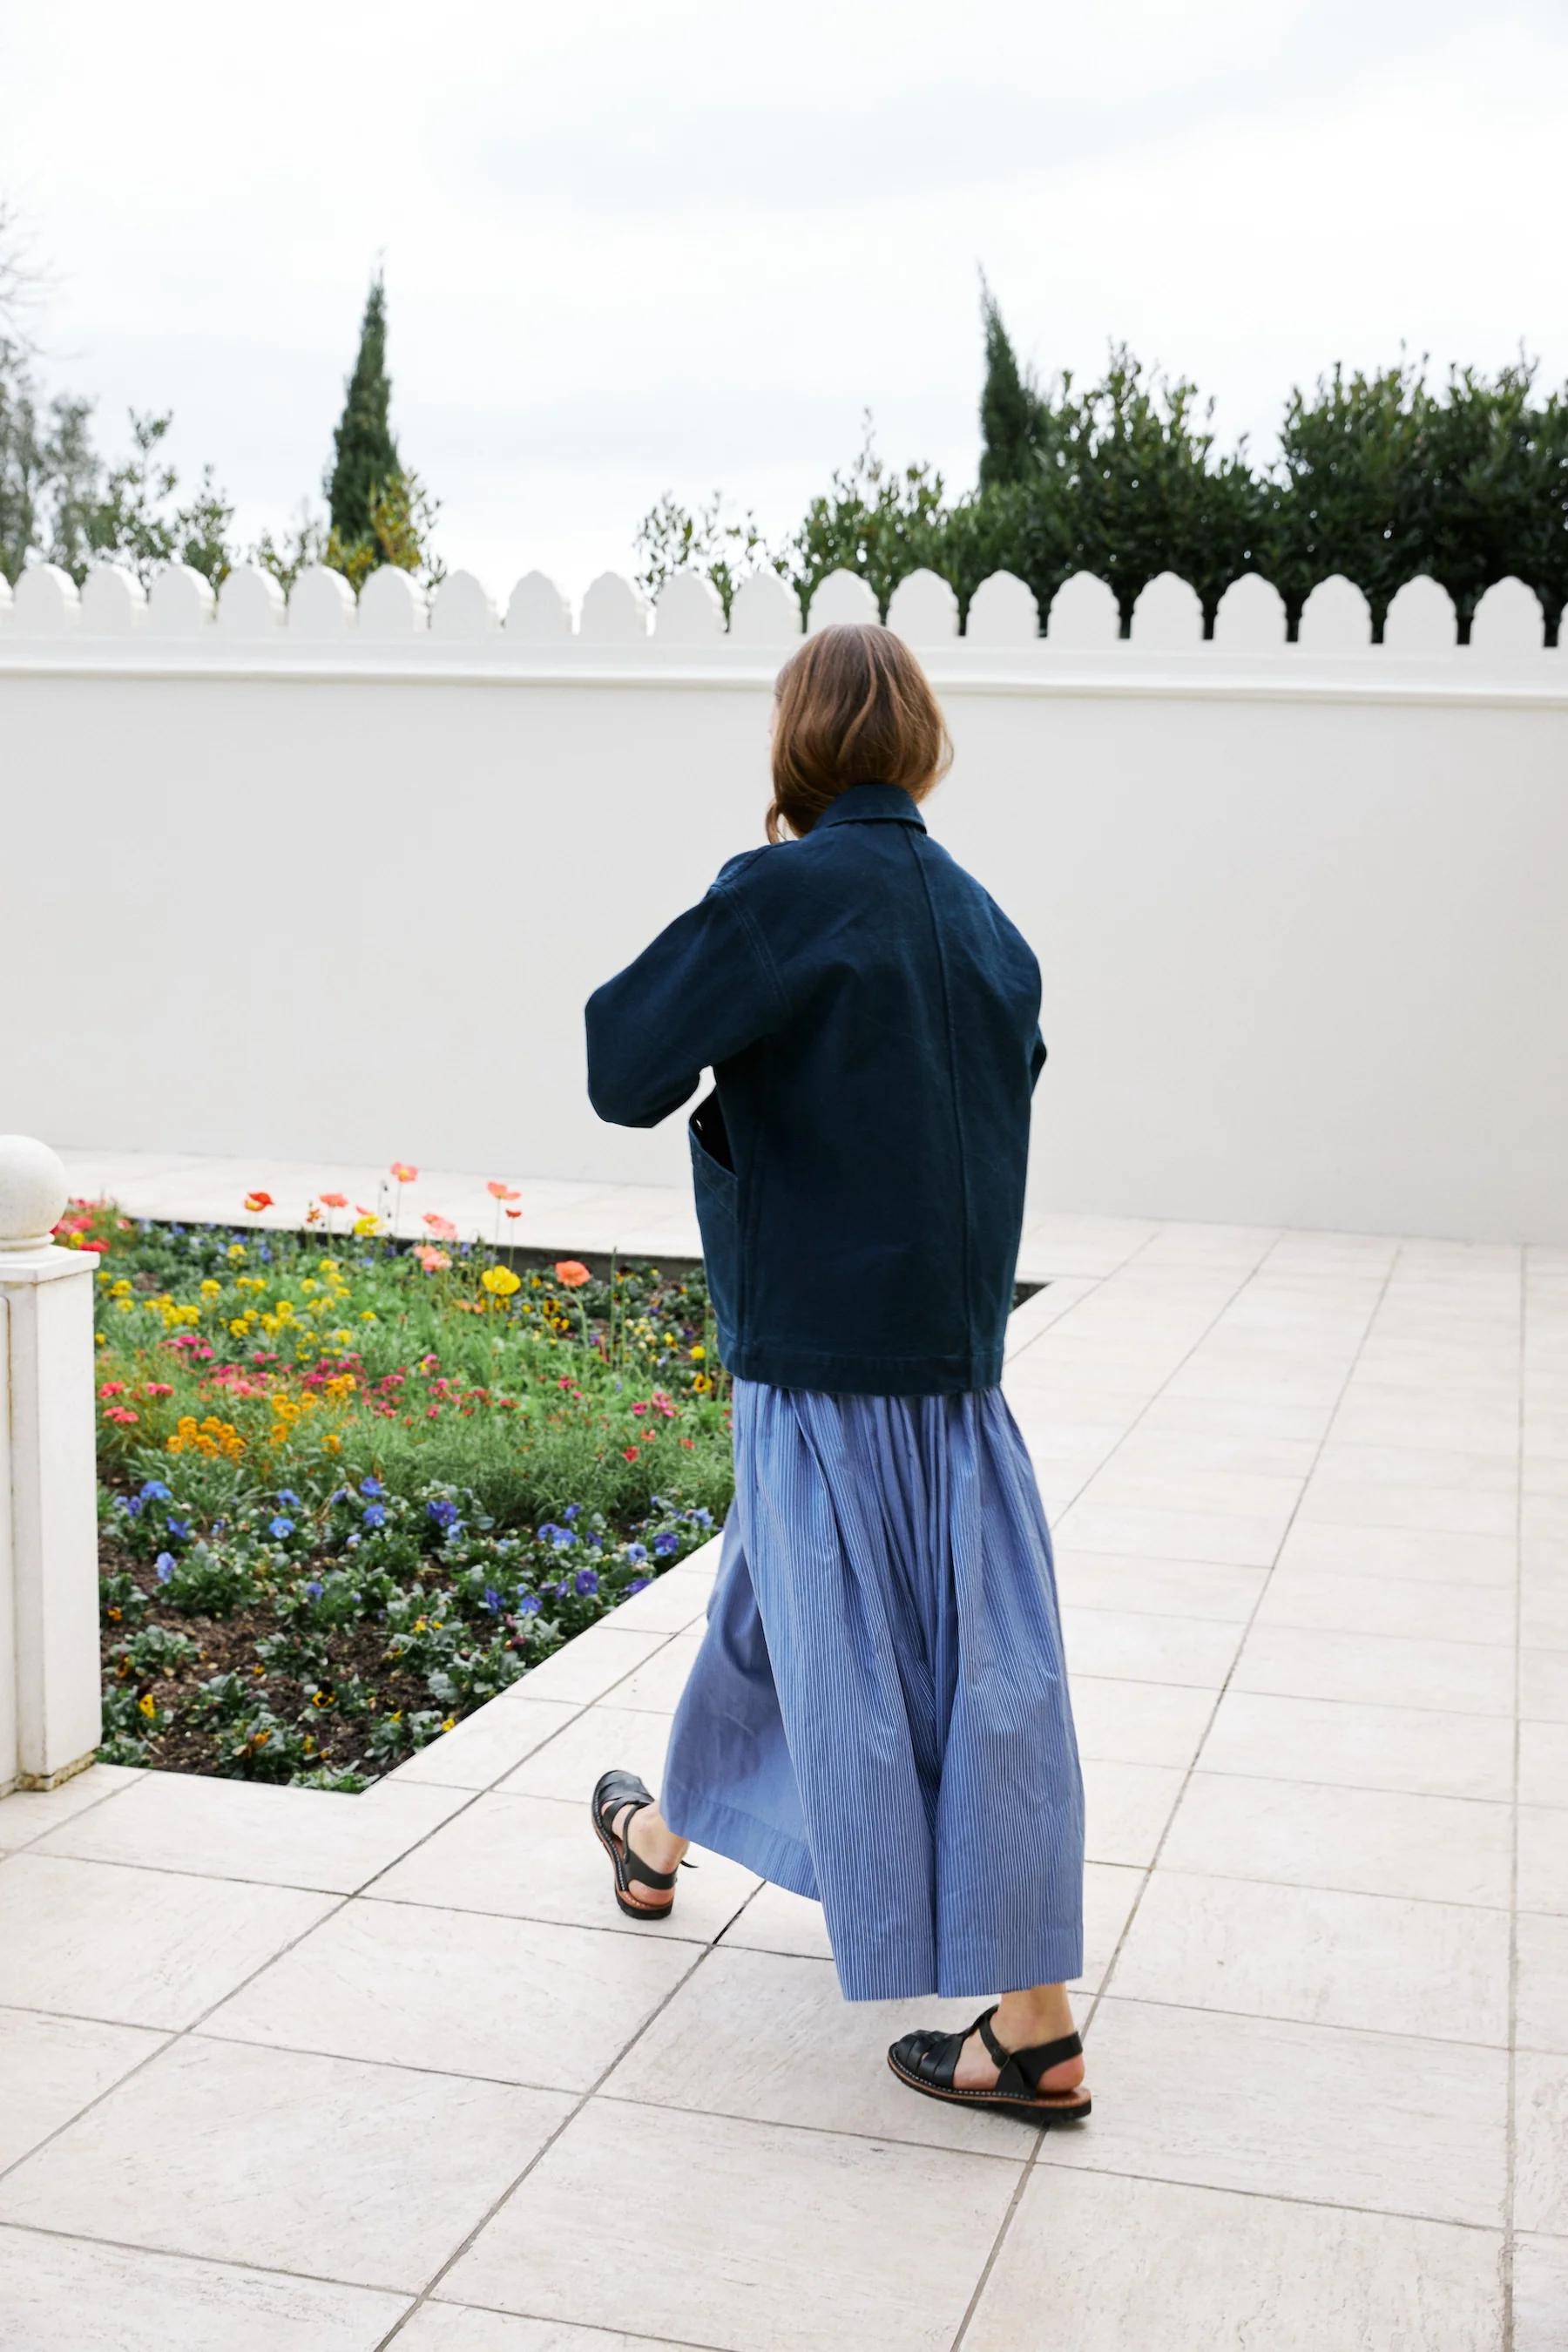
column 684, row 244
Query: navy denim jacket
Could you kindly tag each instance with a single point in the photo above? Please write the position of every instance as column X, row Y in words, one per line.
column 870, row 1015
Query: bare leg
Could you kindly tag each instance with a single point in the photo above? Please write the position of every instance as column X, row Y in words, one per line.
column 653, row 1842
column 1023, row 2020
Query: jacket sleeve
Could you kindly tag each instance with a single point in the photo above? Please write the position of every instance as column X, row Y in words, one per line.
column 1037, row 1060
column 704, row 990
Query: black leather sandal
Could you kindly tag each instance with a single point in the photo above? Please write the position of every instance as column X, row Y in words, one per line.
column 927, row 2061
column 612, row 1793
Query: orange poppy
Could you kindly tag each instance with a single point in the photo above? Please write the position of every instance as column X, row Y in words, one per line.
column 257, row 1202
column 572, row 1274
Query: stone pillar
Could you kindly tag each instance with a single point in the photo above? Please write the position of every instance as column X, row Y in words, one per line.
column 50, row 1715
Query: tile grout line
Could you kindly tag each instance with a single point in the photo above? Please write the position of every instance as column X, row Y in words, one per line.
column 1373, row 1312
column 428, row 2289
column 193, row 2027
column 701, row 1949
column 704, row 1953
column 1037, row 2155
column 1511, row 2159
column 1033, row 2158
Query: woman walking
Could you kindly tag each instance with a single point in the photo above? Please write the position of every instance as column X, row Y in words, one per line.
column 878, row 1715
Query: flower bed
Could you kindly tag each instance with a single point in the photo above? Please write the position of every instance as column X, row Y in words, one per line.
column 350, row 1490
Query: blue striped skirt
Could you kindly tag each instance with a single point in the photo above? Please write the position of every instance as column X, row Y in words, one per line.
column 878, row 1715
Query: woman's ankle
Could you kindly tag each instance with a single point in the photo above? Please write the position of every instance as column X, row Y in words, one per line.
column 1037, row 2014
column 654, row 1841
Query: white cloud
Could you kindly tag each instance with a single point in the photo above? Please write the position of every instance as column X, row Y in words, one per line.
column 634, row 248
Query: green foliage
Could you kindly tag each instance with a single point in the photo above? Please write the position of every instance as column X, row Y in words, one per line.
column 60, row 504
column 1009, row 405
column 1380, row 476
column 364, row 452
column 671, row 537
column 351, row 1491
column 879, row 520
column 139, row 519
column 1383, row 477
column 379, row 511
column 48, row 471
column 402, row 517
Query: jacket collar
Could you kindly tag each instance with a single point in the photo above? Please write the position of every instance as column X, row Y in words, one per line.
column 871, row 804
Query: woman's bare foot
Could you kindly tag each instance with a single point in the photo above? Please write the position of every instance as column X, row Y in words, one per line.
column 1023, row 2020
column 652, row 1840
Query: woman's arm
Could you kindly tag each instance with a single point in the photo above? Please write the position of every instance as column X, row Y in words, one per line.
column 704, row 990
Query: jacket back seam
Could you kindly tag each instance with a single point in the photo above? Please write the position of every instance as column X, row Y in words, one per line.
column 759, row 944
column 952, row 1088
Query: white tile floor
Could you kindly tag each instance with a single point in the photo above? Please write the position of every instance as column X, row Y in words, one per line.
column 283, row 2068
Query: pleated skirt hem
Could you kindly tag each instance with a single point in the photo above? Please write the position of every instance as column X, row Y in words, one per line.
column 1054, row 1956
column 740, row 1837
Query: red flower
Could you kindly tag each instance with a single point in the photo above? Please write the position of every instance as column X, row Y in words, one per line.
column 113, row 1388
column 257, row 1202
column 631, row 1453
column 514, row 1212
column 572, row 1274
column 334, row 1199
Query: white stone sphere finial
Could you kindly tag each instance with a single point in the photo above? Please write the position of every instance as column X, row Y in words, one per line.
column 33, row 1195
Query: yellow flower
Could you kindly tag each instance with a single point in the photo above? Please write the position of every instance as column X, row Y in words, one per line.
column 367, row 1314
column 365, row 1224
column 235, row 1251
column 147, row 1704
column 451, row 1723
column 126, row 1305
column 501, row 1281
column 121, row 1288
column 211, row 1289
column 698, row 1354
column 333, row 1445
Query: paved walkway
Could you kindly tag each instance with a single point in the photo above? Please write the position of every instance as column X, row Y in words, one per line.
column 287, row 2068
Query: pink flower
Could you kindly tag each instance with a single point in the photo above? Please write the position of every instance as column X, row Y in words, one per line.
column 442, row 1227
column 500, row 1191
column 434, row 1261
column 122, row 1413
column 113, row 1388
column 404, row 1172
column 334, row 1199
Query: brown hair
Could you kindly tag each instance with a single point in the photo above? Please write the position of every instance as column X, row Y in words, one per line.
column 852, row 707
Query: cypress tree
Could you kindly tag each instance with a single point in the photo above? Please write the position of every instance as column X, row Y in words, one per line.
column 366, row 455
column 1009, row 405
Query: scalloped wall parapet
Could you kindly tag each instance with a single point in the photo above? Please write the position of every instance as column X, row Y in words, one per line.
column 687, row 618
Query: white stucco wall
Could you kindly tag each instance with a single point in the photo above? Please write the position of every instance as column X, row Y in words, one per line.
column 1299, row 910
